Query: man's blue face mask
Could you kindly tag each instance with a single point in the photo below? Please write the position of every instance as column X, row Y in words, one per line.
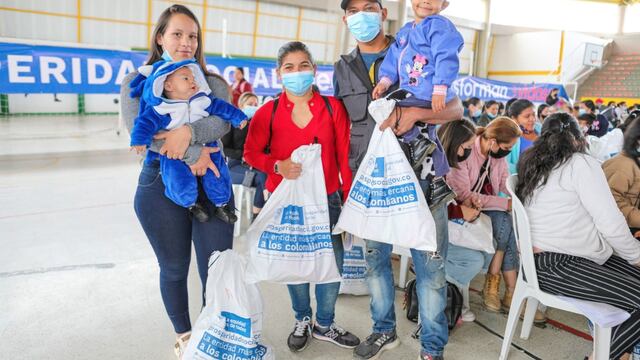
column 365, row 26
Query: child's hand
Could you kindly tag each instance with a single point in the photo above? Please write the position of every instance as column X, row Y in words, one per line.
column 438, row 103
column 379, row 90
column 138, row 148
column 243, row 124
column 637, row 235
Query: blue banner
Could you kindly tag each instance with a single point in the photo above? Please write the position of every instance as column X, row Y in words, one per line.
column 55, row 69
column 485, row 89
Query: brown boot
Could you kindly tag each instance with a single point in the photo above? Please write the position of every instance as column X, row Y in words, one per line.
column 540, row 317
column 506, row 300
column 490, row 293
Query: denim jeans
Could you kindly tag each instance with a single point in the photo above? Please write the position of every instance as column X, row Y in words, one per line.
column 505, row 238
column 326, row 294
column 170, row 230
column 431, row 286
column 463, row 264
column 237, row 171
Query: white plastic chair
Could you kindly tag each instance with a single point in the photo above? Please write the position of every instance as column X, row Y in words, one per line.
column 529, row 289
column 244, row 204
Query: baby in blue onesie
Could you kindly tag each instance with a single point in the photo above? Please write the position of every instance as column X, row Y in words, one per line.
column 424, row 61
column 176, row 93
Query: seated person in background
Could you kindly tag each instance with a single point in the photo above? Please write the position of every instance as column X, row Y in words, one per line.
column 579, row 235
column 623, row 176
column 600, row 126
column 462, row 263
column 233, row 143
column 174, row 94
column 596, row 147
column 491, row 109
column 522, row 111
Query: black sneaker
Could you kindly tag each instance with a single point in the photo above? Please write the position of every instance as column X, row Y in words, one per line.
column 375, row 344
column 226, row 213
column 199, row 213
column 300, row 336
column 336, row 335
column 420, row 148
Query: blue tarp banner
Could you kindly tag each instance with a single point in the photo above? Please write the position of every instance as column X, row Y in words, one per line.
column 485, row 89
column 56, row 69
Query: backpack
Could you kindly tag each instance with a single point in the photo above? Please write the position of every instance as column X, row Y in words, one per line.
column 453, row 311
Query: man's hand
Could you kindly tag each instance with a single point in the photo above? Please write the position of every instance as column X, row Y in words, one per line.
column 399, row 121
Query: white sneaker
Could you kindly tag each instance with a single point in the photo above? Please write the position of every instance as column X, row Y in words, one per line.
column 468, row 316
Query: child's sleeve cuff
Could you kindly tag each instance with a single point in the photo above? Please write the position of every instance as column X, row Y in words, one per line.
column 440, row 89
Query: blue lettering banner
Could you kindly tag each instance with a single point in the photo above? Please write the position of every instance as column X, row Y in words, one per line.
column 28, row 68
column 485, row 89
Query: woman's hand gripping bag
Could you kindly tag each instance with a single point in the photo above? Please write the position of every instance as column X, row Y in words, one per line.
column 290, row 241
column 230, row 325
column 386, row 202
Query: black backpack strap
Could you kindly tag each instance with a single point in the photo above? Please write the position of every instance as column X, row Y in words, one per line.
column 267, row 149
column 328, row 105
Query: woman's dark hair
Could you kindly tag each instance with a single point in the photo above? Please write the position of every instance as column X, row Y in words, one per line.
column 611, row 103
column 589, row 104
column 292, row 47
column 541, row 109
column 551, row 100
column 472, row 101
column 590, row 118
column 560, row 139
column 453, row 134
column 500, row 107
column 156, row 51
column 631, row 139
column 518, row 107
column 633, row 116
column 240, row 70
column 489, row 104
column 508, row 105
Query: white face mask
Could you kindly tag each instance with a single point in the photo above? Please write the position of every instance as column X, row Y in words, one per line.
column 585, row 130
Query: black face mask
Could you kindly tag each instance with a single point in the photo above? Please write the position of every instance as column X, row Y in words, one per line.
column 465, row 156
column 500, row 153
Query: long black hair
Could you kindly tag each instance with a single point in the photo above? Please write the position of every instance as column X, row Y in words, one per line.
column 453, row 134
column 631, row 139
column 560, row 139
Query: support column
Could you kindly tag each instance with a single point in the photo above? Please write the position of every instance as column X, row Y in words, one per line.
column 622, row 11
column 481, row 52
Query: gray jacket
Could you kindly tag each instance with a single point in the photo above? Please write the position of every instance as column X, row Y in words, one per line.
column 354, row 88
column 203, row 131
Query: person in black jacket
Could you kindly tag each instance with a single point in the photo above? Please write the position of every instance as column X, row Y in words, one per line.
column 233, row 143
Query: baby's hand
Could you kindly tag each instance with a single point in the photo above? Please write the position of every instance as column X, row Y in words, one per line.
column 138, row 148
column 243, row 124
column 637, row 234
column 438, row 103
column 380, row 89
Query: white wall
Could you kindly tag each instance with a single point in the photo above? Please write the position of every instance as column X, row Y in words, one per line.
column 43, row 103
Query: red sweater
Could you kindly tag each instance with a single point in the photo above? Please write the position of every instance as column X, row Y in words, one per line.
column 332, row 134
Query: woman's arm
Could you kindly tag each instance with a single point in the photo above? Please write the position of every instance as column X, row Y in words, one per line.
column 342, row 143
column 461, row 182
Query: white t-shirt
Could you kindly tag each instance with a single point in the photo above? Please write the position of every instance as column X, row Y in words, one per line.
column 575, row 214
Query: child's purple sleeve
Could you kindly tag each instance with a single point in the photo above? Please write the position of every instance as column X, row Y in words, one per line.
column 446, row 43
column 388, row 71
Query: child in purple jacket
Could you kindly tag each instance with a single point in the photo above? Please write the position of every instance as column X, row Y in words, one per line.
column 424, row 62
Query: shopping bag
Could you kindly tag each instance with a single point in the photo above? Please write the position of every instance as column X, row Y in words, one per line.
column 290, row 240
column 476, row 235
column 354, row 267
column 230, row 325
column 386, row 202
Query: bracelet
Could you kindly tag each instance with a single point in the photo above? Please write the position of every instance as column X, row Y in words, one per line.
column 275, row 168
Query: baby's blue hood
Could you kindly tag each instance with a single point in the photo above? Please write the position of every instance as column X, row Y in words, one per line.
column 151, row 87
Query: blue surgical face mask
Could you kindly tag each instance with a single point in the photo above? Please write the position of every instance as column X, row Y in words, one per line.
column 166, row 56
column 582, row 112
column 365, row 26
column 477, row 113
column 491, row 116
column 250, row 110
column 298, row 83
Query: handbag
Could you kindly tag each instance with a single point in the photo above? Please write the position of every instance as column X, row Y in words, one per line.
column 453, row 311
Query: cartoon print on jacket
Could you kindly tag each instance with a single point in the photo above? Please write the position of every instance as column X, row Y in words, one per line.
column 417, row 71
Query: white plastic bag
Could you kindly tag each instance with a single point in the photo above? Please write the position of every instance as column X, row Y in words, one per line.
column 290, row 241
column 386, row 202
column 230, row 325
column 354, row 267
column 477, row 235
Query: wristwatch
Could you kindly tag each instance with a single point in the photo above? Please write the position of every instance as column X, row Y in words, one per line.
column 275, row 168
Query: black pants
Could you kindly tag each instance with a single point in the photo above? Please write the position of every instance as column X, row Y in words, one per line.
column 616, row 283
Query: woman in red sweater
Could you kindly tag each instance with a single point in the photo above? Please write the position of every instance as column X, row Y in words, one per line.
column 302, row 116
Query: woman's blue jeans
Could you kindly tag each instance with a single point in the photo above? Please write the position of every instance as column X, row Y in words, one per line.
column 171, row 230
